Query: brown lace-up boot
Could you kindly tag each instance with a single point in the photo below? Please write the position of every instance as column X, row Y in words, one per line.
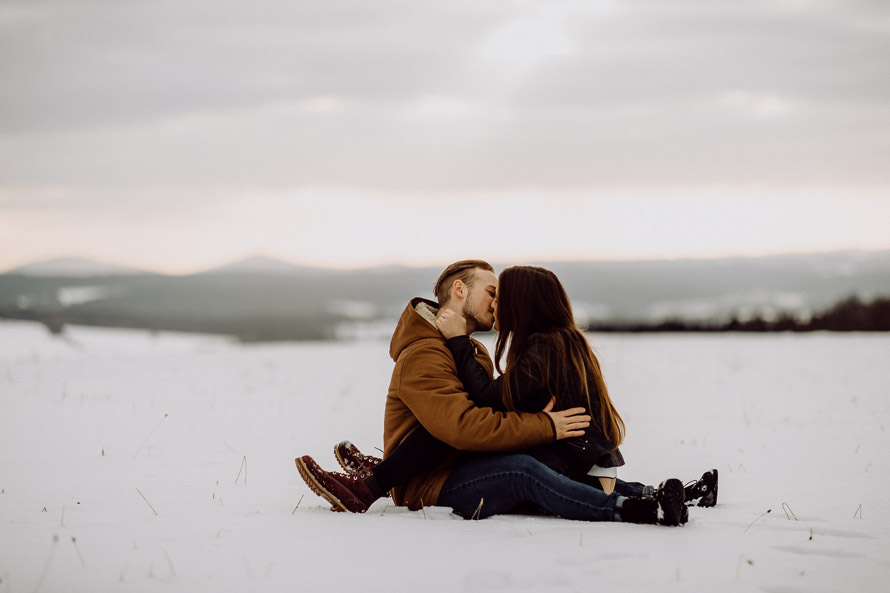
column 345, row 492
column 353, row 460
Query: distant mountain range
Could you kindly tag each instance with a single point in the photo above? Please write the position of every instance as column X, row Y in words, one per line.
column 67, row 267
column 267, row 299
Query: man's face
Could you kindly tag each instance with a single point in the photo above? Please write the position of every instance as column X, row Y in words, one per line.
column 480, row 302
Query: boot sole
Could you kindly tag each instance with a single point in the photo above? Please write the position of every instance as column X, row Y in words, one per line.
column 316, row 487
column 672, row 505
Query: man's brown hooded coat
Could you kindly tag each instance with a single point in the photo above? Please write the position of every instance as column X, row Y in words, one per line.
column 425, row 390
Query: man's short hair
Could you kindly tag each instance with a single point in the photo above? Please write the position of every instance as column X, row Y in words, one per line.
column 461, row 270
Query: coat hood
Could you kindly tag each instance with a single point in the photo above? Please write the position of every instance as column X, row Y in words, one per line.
column 418, row 322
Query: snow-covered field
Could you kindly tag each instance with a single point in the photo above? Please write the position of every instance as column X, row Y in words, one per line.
column 138, row 462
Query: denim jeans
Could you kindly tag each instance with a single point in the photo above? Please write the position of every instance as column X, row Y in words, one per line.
column 499, row 484
column 634, row 489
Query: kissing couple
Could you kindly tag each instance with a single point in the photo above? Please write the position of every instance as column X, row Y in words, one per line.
column 542, row 437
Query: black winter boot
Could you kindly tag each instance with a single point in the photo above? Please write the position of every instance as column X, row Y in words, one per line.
column 670, row 500
column 705, row 489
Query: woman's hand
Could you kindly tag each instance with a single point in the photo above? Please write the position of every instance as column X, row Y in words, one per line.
column 568, row 423
column 451, row 323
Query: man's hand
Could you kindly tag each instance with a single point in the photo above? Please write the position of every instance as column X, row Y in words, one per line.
column 451, row 323
column 568, row 423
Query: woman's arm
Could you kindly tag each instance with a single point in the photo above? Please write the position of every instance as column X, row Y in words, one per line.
column 483, row 390
column 526, row 380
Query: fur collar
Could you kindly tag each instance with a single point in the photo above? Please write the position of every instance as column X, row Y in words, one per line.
column 427, row 311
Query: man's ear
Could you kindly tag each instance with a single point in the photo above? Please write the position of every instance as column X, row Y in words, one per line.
column 459, row 289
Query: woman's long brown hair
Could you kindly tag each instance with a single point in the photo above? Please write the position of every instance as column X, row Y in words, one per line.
column 531, row 300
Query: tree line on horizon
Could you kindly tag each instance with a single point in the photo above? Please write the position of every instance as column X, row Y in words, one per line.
column 849, row 315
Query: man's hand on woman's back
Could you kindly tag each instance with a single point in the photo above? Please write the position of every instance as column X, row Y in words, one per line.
column 568, row 423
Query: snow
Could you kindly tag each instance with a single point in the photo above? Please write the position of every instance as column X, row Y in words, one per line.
column 77, row 295
column 207, row 429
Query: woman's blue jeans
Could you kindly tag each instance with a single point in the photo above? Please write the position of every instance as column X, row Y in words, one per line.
column 499, row 484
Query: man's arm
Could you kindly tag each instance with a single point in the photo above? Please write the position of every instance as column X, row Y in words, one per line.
column 430, row 388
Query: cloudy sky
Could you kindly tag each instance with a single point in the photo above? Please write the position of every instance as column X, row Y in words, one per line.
column 181, row 134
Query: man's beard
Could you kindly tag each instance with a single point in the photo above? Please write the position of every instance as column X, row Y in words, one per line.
column 474, row 324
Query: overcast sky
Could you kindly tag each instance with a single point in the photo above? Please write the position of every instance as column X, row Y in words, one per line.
column 183, row 134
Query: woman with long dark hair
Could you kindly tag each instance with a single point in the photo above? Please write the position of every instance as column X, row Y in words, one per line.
column 547, row 356
column 548, row 362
